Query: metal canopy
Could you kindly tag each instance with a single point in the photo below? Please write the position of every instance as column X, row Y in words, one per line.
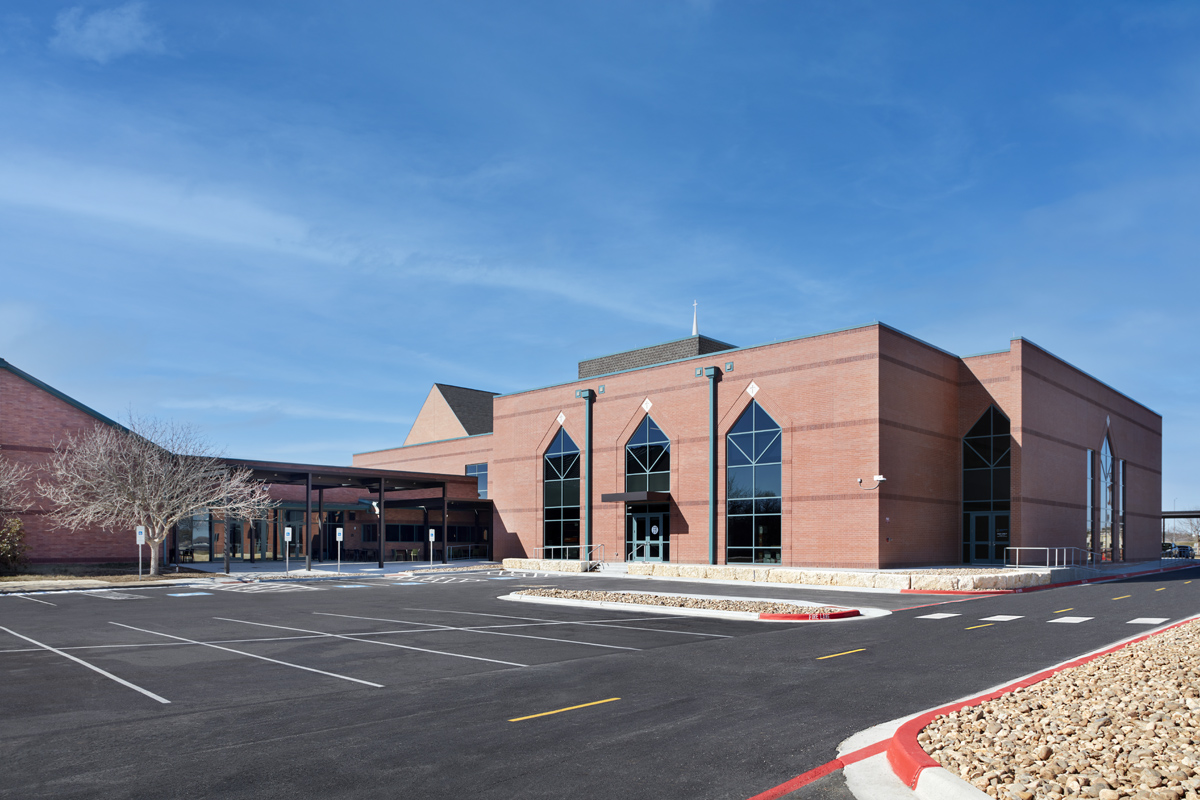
column 325, row 476
column 636, row 497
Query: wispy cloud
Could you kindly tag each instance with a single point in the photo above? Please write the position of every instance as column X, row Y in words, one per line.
column 241, row 406
column 105, row 35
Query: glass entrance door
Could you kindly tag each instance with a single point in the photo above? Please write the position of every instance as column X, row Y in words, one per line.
column 989, row 538
column 646, row 537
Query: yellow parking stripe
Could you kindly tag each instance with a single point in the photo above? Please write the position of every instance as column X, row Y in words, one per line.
column 1159, row 590
column 1061, row 610
column 568, row 708
column 973, row 627
column 835, row 655
column 1122, row 597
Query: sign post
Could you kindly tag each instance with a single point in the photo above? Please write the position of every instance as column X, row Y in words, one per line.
column 141, row 540
column 431, row 547
column 339, row 541
column 287, row 549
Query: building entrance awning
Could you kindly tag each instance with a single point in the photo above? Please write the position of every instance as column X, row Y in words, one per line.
column 636, row 497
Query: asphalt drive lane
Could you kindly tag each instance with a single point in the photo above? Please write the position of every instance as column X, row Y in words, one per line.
column 698, row 716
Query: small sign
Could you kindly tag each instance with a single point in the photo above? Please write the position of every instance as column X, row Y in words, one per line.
column 431, row 534
column 654, row 530
column 339, row 534
column 141, row 534
column 287, row 534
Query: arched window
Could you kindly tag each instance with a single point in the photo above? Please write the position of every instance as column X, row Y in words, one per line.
column 987, row 493
column 648, row 459
column 1107, row 501
column 754, row 488
column 561, row 484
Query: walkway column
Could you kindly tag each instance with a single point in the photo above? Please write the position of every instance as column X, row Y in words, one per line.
column 321, row 524
column 382, row 524
column 589, row 397
column 307, row 521
column 445, row 524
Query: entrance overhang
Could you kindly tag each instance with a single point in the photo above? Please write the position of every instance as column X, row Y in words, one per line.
column 636, row 497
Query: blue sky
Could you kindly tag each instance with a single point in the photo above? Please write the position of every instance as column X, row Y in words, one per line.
column 283, row 221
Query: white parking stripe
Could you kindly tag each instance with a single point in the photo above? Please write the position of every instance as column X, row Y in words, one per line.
column 1000, row 618
column 372, row 641
column 34, row 599
column 1070, row 620
column 251, row 655
column 80, row 661
column 938, row 616
column 597, row 623
column 478, row 630
column 1148, row 621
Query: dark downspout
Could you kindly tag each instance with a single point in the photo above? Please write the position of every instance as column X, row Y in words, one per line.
column 713, row 374
column 589, row 397
column 382, row 523
column 307, row 521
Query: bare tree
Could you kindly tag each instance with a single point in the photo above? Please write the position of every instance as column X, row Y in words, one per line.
column 153, row 474
column 14, row 488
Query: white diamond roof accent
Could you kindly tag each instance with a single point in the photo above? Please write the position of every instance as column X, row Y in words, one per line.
column 561, row 418
column 646, row 404
column 752, row 389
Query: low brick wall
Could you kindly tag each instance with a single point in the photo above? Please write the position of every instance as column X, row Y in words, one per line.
column 1009, row 579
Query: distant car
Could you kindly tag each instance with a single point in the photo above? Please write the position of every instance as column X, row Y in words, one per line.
column 1184, row 551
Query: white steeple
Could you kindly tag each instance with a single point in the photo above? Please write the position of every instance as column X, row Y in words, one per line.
column 695, row 330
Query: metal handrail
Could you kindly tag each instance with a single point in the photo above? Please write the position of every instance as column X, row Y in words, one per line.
column 450, row 548
column 1063, row 556
column 633, row 553
column 592, row 549
column 542, row 550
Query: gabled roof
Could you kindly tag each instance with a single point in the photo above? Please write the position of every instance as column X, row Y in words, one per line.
column 47, row 388
column 472, row 407
column 451, row 412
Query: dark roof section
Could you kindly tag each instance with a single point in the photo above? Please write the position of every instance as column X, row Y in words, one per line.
column 325, row 476
column 649, row 356
column 71, row 401
column 472, row 407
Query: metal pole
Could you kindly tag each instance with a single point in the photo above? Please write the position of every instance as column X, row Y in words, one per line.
column 445, row 523
column 225, row 541
column 307, row 521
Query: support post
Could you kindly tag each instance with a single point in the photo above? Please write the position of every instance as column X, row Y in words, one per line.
column 225, row 541
column 445, row 524
column 589, row 397
column 321, row 551
column 382, row 523
column 307, row 521
column 713, row 374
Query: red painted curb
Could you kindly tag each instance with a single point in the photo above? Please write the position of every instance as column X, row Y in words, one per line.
column 817, row 773
column 850, row 612
column 905, row 754
column 1027, row 589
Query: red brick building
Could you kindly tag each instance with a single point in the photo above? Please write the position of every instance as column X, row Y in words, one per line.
column 696, row 451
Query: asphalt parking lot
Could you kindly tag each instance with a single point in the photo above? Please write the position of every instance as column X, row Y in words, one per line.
column 435, row 688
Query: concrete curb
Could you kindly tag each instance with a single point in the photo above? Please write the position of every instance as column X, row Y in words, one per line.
column 1027, row 589
column 929, row 779
column 755, row 616
column 84, row 585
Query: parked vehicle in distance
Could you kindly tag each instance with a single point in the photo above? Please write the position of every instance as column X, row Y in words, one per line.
column 1184, row 551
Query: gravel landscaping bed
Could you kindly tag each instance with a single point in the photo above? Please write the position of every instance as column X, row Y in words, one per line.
column 1126, row 724
column 754, row 606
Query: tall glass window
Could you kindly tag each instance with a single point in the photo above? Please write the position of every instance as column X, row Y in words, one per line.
column 480, row 471
column 561, row 484
column 754, row 488
column 648, row 459
column 987, row 488
column 1106, row 501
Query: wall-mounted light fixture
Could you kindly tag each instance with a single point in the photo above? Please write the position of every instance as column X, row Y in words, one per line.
column 879, row 479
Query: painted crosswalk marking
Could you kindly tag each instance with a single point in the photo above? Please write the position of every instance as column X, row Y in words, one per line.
column 1070, row 620
column 938, row 616
column 1000, row 618
column 188, row 594
column 1147, row 621
column 264, row 588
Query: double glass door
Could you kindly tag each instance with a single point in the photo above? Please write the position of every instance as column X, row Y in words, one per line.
column 986, row 537
column 647, row 537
